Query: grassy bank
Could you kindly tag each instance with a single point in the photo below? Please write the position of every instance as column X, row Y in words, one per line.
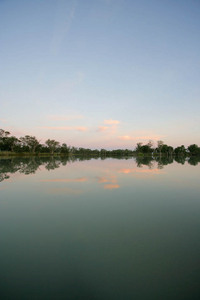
column 28, row 154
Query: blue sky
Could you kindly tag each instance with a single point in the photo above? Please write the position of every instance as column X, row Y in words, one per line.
column 101, row 73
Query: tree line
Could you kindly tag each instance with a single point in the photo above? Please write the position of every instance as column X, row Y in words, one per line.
column 30, row 144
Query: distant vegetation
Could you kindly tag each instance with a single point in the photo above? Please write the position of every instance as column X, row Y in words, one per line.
column 30, row 145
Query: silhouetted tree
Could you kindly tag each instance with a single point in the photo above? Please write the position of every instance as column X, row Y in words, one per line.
column 52, row 145
column 30, row 142
column 194, row 149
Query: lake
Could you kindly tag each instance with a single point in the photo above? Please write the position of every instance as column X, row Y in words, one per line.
column 99, row 228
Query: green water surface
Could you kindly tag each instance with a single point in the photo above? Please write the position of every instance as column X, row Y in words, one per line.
column 99, row 229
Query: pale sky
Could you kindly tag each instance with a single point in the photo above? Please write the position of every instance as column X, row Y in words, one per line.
column 101, row 73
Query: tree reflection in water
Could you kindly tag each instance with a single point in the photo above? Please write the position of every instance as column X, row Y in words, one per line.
column 29, row 165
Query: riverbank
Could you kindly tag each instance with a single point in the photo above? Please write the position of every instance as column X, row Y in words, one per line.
column 28, row 154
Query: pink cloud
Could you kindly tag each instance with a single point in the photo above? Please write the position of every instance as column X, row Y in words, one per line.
column 83, row 179
column 102, row 179
column 111, row 129
column 110, row 182
column 126, row 171
column 145, row 138
column 77, row 128
column 103, row 128
column 144, row 171
column 81, row 128
column 64, row 117
column 57, row 127
column 111, row 179
column 125, row 138
column 111, row 186
column 111, row 122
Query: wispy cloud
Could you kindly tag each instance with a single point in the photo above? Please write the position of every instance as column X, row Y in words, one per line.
column 126, row 171
column 67, row 128
column 81, row 128
column 137, row 170
column 110, row 128
column 110, row 182
column 144, row 138
column 64, row 117
column 102, row 179
column 111, row 179
column 103, row 128
column 82, row 179
column 111, row 186
column 111, row 122
column 63, row 20
column 126, row 138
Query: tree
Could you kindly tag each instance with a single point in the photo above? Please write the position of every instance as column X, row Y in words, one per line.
column 167, row 150
column 7, row 143
column 64, row 149
column 180, row 150
column 30, row 142
column 10, row 143
column 52, row 145
column 150, row 144
column 4, row 133
column 159, row 146
column 194, row 149
column 138, row 147
column 3, row 136
column 147, row 148
column 170, row 150
column 73, row 150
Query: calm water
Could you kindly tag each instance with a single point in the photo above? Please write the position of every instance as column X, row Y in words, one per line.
column 99, row 229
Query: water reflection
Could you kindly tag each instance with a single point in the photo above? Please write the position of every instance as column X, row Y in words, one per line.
column 76, row 229
column 109, row 182
column 28, row 165
column 31, row 165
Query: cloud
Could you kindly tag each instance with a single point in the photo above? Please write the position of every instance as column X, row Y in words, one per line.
column 111, row 182
column 64, row 117
column 76, row 128
column 144, row 138
column 111, row 122
column 145, row 171
column 63, row 20
column 103, row 128
column 111, row 128
column 81, row 128
column 126, row 171
column 111, row 179
column 111, row 186
column 102, row 180
column 125, row 138
column 82, row 179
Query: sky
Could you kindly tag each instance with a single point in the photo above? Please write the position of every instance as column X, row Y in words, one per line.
column 101, row 73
